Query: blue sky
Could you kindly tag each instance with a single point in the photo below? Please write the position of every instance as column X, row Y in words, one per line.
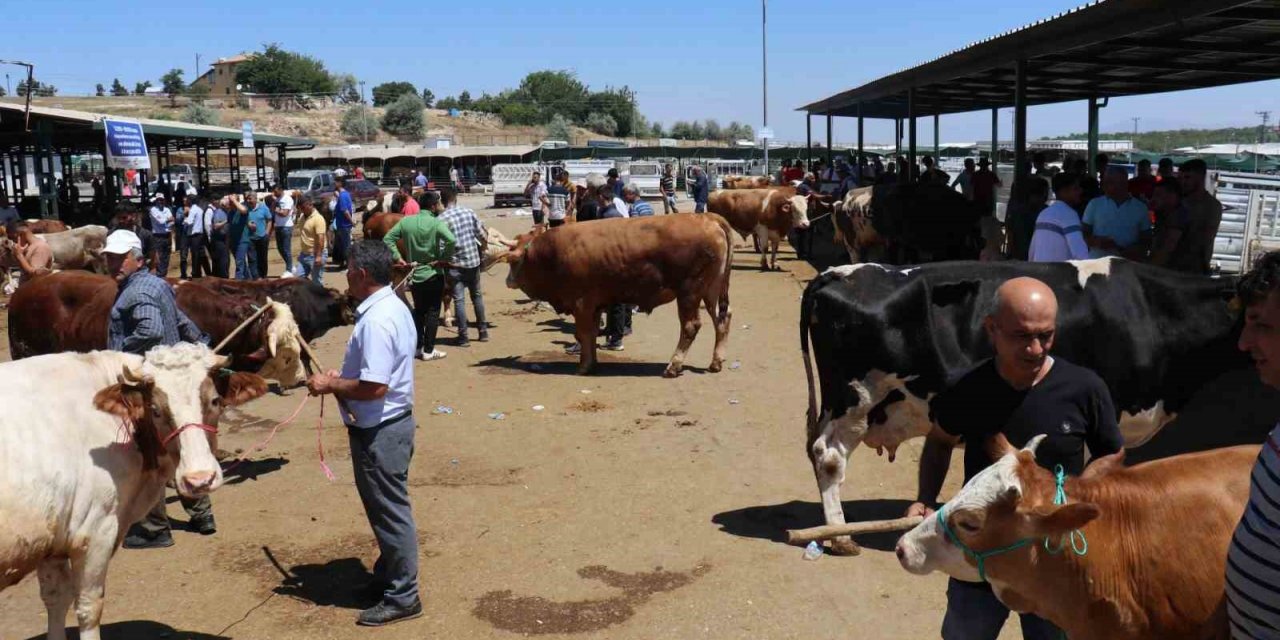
column 685, row 60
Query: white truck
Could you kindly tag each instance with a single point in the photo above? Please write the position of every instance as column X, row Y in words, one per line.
column 579, row 169
column 509, row 181
column 647, row 177
column 716, row 171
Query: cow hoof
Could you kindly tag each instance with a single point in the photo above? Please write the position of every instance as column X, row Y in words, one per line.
column 671, row 372
column 844, row 546
column 716, row 366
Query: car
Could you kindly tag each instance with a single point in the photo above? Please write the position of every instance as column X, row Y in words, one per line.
column 317, row 184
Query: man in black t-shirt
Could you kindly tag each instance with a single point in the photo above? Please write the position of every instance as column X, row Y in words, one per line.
column 1023, row 392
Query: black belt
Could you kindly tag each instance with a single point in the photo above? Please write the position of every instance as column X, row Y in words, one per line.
column 388, row 421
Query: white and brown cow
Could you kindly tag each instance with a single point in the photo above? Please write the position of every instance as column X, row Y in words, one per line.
column 87, row 443
column 767, row 213
column 1141, row 550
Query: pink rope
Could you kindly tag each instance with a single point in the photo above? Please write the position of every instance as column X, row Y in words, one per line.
column 257, row 447
column 328, row 473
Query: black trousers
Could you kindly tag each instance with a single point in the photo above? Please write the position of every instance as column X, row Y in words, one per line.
column 260, row 246
column 617, row 321
column 198, row 245
column 221, row 256
column 183, row 245
column 427, row 296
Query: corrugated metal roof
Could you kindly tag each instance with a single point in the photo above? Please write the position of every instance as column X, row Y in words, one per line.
column 167, row 128
column 388, row 152
column 1105, row 48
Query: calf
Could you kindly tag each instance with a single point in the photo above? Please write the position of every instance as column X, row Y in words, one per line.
column 87, row 443
column 886, row 340
column 648, row 262
column 768, row 213
column 1150, row 541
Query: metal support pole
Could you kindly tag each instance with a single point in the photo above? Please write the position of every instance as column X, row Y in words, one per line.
column 828, row 144
column 233, row 159
column 1020, row 168
column 860, row 146
column 44, row 168
column 1093, row 136
column 897, row 138
column 764, row 57
column 202, row 166
column 808, row 139
column 936, row 145
column 282, row 167
column 911, row 135
column 995, row 138
column 260, row 161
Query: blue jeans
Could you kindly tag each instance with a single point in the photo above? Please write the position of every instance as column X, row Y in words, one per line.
column 974, row 613
column 309, row 269
column 243, row 271
column 341, row 242
column 380, row 457
column 284, row 244
column 699, row 207
column 464, row 279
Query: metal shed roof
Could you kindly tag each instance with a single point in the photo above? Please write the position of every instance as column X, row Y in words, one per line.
column 1104, row 49
column 388, row 152
column 89, row 123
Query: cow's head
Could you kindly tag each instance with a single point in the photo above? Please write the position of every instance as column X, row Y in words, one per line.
column 798, row 208
column 516, row 256
column 280, row 339
column 172, row 404
column 1001, row 511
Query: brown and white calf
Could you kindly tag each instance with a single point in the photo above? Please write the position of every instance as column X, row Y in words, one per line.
column 87, row 443
column 1156, row 535
column 767, row 213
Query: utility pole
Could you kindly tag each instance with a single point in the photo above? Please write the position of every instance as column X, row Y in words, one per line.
column 1135, row 127
column 361, row 83
column 1262, row 136
column 764, row 72
column 197, row 75
column 8, row 88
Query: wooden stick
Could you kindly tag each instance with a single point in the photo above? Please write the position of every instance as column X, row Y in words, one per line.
column 306, row 348
column 248, row 321
column 826, row 532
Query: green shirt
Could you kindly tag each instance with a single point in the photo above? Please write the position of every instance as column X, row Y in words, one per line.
column 426, row 240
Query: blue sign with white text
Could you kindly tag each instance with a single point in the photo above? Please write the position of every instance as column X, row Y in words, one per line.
column 126, row 145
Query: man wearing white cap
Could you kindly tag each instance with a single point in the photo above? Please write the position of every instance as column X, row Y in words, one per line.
column 145, row 315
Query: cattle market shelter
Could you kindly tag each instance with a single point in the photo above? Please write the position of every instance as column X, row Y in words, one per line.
column 47, row 139
column 1109, row 48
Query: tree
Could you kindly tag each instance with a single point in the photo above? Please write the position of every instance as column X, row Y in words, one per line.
column 197, row 113
column 655, row 130
column 284, row 74
column 559, row 129
column 405, row 117
column 681, row 130
column 464, row 99
column 620, row 104
column 428, row 98
column 602, row 124
column 348, row 93
column 551, row 92
column 118, row 89
column 100, row 90
column 358, row 123
column 172, row 84
column 713, row 130
column 447, row 103
column 37, row 89
column 388, row 92
column 140, row 88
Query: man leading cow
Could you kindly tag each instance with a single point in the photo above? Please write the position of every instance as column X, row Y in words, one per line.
column 1022, row 392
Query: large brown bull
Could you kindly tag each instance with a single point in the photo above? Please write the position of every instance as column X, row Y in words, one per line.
column 70, row 311
column 768, row 213
column 647, row 262
column 746, row 182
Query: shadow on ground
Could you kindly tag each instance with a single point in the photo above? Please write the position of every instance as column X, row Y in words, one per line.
column 607, row 365
column 336, row 583
column 137, row 629
column 770, row 522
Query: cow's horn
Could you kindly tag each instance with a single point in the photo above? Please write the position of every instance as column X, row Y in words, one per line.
column 131, row 378
column 221, row 362
column 1034, row 444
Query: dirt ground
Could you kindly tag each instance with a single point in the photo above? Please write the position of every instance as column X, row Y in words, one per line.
column 630, row 506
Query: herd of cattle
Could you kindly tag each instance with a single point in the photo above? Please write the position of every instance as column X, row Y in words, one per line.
column 878, row 340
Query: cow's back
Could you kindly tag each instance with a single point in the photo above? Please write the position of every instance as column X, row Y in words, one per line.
column 65, row 311
column 743, row 209
column 59, row 469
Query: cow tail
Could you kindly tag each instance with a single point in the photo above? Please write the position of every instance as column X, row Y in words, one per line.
column 722, row 306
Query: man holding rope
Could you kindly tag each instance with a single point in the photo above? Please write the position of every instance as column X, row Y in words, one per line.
column 145, row 315
column 429, row 244
column 376, row 386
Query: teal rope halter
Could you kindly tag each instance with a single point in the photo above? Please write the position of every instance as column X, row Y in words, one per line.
column 1079, row 544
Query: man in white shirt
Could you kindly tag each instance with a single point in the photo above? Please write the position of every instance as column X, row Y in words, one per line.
column 375, row 391
column 162, row 234
column 1058, row 235
column 282, row 222
column 198, row 222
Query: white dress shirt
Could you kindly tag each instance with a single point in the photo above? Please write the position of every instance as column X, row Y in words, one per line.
column 381, row 350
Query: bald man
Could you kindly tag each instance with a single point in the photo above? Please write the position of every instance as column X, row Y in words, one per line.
column 1022, row 392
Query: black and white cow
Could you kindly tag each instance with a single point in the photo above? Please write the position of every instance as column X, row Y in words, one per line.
column 887, row 339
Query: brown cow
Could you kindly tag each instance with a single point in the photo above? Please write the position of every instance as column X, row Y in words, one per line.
column 648, row 262
column 746, row 182
column 1156, row 533
column 315, row 308
column 376, row 226
column 69, row 311
column 45, row 225
column 767, row 213
column 854, row 230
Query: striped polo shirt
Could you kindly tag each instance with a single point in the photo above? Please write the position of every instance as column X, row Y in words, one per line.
column 1058, row 235
column 1253, row 560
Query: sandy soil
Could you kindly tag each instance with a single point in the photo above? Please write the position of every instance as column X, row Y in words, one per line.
column 630, row 507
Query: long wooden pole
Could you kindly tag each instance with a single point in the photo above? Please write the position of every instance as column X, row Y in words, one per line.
column 826, row 532
column 248, row 321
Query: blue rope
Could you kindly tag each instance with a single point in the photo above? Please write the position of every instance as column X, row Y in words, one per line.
column 1079, row 544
